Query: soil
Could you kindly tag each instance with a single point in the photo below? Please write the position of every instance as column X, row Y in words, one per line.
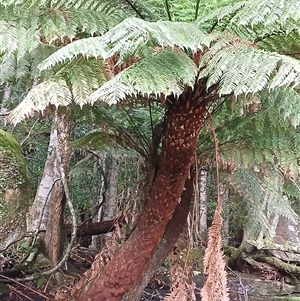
column 242, row 287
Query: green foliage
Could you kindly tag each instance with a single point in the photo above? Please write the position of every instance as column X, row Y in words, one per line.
column 265, row 13
column 121, row 129
column 161, row 74
column 130, row 37
column 31, row 30
column 262, row 198
column 240, row 68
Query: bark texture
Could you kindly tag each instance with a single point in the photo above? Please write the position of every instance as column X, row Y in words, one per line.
column 184, row 118
column 53, row 239
column 173, row 230
column 203, row 195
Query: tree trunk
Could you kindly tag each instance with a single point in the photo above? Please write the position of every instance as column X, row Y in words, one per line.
column 203, row 182
column 38, row 215
column 46, row 211
column 173, row 230
column 62, row 156
column 183, row 120
column 110, row 206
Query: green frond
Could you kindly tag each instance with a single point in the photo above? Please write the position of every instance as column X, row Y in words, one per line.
column 285, row 101
column 238, row 68
column 265, row 137
column 121, row 129
column 60, row 24
column 288, row 44
column 291, row 188
column 39, row 98
column 262, row 197
column 163, row 73
column 84, row 77
column 263, row 12
column 129, row 36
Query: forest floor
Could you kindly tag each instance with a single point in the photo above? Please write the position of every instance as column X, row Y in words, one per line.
column 242, row 287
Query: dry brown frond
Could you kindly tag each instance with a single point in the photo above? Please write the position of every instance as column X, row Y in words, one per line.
column 181, row 276
column 215, row 287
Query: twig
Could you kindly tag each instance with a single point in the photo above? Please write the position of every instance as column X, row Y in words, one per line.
column 21, row 284
column 30, row 131
column 17, row 292
column 238, row 276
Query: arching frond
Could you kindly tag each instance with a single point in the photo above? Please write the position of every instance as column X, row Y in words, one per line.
column 84, row 77
column 255, row 140
column 239, row 68
column 76, row 81
column 129, row 36
column 163, row 73
column 261, row 193
column 55, row 93
column 285, row 101
column 288, row 44
column 262, row 12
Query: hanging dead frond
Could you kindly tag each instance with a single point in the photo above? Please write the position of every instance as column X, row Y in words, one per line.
column 215, row 287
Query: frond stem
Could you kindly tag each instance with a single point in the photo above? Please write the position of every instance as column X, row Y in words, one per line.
column 151, row 118
column 135, row 9
column 168, row 10
column 197, row 9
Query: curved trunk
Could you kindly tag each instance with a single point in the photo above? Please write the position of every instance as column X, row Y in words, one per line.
column 182, row 123
column 46, row 211
column 173, row 230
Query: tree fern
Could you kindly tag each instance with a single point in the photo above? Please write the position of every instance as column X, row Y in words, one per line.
column 75, row 83
column 56, row 93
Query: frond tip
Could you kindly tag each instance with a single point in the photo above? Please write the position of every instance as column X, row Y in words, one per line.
column 242, row 69
column 39, row 98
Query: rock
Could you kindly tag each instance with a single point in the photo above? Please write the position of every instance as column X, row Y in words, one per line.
column 14, row 191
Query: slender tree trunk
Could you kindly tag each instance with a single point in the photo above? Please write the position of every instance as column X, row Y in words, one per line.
column 38, row 215
column 203, row 182
column 46, row 211
column 110, row 206
column 182, row 124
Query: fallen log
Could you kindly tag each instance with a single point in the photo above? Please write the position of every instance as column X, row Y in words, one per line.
column 96, row 228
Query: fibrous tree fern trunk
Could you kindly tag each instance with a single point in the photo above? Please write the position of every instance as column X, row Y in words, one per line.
column 173, row 230
column 183, row 120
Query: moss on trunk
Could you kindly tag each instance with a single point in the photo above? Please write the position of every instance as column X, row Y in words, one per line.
column 14, row 191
